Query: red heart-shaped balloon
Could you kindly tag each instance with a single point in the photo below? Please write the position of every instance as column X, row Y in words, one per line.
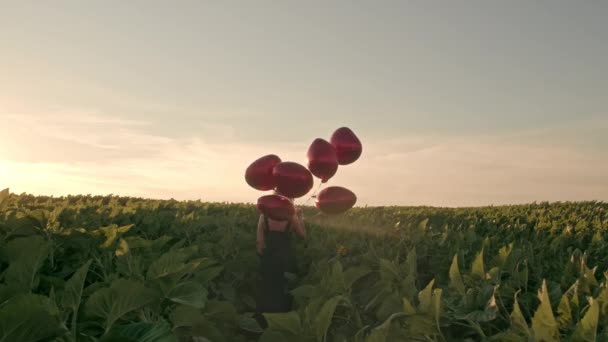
column 259, row 173
column 347, row 144
column 292, row 179
column 276, row 207
column 322, row 159
column 335, row 200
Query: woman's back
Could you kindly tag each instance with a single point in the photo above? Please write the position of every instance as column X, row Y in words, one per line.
column 277, row 238
column 268, row 226
column 277, row 226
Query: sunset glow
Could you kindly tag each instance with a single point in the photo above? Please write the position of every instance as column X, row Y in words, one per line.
column 181, row 114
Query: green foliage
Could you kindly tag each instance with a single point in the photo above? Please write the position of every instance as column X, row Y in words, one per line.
column 189, row 293
column 26, row 256
column 455, row 278
column 28, row 318
column 140, row 332
column 586, row 329
column 108, row 268
column 543, row 323
column 122, row 297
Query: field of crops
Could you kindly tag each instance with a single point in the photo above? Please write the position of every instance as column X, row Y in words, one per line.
column 86, row 268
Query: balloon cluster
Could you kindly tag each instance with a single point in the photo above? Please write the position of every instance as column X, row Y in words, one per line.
column 291, row 180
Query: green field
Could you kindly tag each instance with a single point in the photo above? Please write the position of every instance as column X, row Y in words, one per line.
column 91, row 268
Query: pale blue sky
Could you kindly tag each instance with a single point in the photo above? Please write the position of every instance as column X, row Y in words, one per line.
column 404, row 75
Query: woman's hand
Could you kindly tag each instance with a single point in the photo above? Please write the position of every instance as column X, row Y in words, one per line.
column 260, row 248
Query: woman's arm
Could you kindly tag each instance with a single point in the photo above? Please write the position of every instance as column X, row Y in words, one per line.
column 259, row 242
column 298, row 224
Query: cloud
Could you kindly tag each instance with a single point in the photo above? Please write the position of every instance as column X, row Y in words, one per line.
column 72, row 152
column 478, row 172
column 76, row 136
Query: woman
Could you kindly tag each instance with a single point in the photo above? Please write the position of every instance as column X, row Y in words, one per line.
column 277, row 257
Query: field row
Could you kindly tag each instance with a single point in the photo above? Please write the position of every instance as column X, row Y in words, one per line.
column 86, row 268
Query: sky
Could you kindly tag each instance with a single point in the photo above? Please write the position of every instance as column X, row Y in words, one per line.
column 456, row 103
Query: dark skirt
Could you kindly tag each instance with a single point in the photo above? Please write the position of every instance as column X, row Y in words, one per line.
column 276, row 260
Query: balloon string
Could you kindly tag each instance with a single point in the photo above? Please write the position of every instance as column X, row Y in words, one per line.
column 314, row 195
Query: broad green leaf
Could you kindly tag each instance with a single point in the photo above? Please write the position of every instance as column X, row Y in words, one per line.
column 136, row 242
column 22, row 225
column 597, row 238
column 206, row 275
column 171, row 262
column 411, row 262
column 26, row 256
column 248, row 300
column 39, row 218
column 284, row 322
column 422, row 327
column 208, row 330
column 518, row 322
column 353, row 274
column 274, row 336
column 185, row 316
column 250, row 324
column 523, row 275
column 189, row 293
column 456, row 282
column 586, row 329
column 509, row 336
column 425, row 298
column 169, row 280
column 303, row 292
column 408, row 308
column 489, row 313
column 72, row 293
column 478, row 268
column 53, row 300
column 381, row 332
column 602, row 300
column 377, row 298
column 325, row 316
column 388, row 270
column 479, row 316
column 221, row 311
column 111, row 233
column 408, row 286
column 564, row 312
column 7, row 292
column 422, row 225
column 575, row 303
column 360, row 335
column 334, row 282
column 587, row 280
column 390, row 305
column 494, row 274
column 543, row 323
column 122, row 297
column 122, row 249
column 312, row 309
column 504, row 253
column 437, row 304
column 29, row 318
column 140, row 332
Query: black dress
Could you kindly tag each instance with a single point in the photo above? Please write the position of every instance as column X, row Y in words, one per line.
column 276, row 259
